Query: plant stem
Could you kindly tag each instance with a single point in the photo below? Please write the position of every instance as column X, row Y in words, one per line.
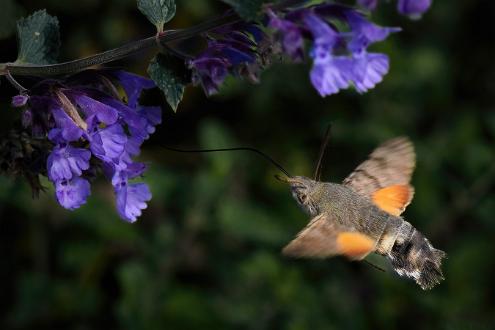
column 117, row 53
column 14, row 83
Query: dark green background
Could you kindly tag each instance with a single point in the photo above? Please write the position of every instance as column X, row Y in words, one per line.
column 205, row 254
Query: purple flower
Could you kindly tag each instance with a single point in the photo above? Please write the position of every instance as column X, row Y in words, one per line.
column 340, row 59
column 131, row 200
column 413, row 8
column 292, row 39
column 84, row 110
column 71, row 194
column 108, row 143
column 210, row 73
column 19, row 100
column 229, row 50
column 66, row 162
column 330, row 73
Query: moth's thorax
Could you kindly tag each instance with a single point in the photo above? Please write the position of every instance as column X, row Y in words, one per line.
column 335, row 197
column 348, row 208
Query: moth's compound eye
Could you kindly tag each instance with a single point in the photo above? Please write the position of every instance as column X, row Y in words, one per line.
column 302, row 198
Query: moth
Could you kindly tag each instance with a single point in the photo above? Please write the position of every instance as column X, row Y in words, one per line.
column 362, row 215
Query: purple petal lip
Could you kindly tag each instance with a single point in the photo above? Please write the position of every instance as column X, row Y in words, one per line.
column 369, row 70
column 108, row 143
column 330, row 75
column 72, row 194
column 131, row 200
column 67, row 162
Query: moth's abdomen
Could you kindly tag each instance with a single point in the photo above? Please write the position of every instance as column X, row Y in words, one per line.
column 412, row 255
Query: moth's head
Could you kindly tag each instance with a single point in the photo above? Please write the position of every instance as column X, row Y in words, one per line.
column 302, row 189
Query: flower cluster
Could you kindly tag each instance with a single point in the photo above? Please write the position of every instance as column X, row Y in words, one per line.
column 339, row 35
column 340, row 58
column 232, row 49
column 92, row 129
column 411, row 8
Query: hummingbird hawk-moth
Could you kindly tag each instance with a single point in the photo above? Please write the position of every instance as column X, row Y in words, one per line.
column 363, row 215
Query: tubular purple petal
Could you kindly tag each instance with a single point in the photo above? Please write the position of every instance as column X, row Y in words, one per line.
column 364, row 32
column 133, row 85
column 291, row 35
column 105, row 114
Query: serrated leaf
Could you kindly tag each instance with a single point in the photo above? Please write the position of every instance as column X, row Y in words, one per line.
column 247, row 9
column 158, row 12
column 171, row 75
column 39, row 39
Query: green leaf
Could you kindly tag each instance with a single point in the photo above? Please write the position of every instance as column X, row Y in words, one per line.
column 39, row 39
column 171, row 76
column 158, row 12
column 247, row 9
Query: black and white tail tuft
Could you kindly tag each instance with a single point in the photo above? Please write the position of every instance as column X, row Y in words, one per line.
column 417, row 259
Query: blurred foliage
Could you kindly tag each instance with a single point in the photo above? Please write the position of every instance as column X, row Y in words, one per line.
column 205, row 254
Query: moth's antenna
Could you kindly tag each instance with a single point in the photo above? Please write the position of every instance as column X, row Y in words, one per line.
column 375, row 266
column 323, row 147
column 262, row 154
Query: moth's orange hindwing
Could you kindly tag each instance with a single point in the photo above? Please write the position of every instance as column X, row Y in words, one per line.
column 354, row 245
column 393, row 199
